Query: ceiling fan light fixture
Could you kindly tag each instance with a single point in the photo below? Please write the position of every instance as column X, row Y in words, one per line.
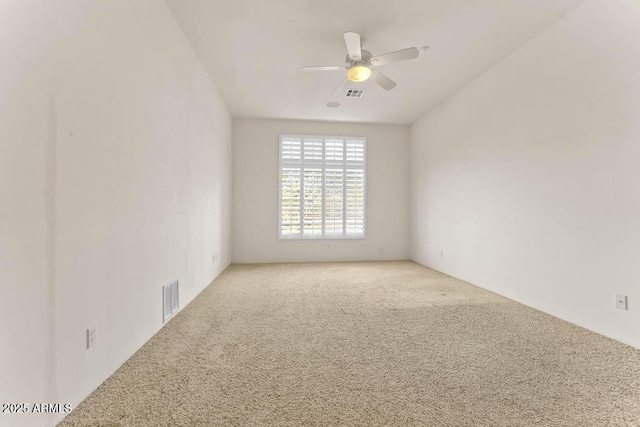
column 359, row 73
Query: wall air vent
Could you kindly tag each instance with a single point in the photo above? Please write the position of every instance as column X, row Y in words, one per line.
column 354, row 93
column 170, row 302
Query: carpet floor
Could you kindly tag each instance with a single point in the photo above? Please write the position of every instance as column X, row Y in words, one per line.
column 365, row 344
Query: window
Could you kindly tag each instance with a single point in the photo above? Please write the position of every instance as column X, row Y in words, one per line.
column 322, row 187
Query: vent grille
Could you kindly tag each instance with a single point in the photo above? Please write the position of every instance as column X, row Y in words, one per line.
column 354, row 93
column 170, row 302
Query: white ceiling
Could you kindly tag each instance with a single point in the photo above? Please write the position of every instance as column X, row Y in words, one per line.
column 254, row 50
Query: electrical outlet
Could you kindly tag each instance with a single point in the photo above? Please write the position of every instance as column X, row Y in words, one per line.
column 621, row 302
column 215, row 257
column 91, row 337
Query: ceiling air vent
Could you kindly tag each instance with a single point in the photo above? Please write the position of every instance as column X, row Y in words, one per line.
column 354, row 93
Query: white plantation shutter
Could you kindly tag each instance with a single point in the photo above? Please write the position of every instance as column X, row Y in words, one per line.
column 313, row 150
column 334, row 202
column 291, row 149
column 355, row 202
column 355, row 152
column 322, row 187
column 290, row 186
column 334, row 151
column 312, row 207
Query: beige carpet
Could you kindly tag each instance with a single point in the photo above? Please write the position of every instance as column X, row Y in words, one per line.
column 367, row 344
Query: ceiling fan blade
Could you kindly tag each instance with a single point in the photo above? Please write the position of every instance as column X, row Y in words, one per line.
column 382, row 80
column 398, row 55
column 340, row 87
column 353, row 46
column 323, row 68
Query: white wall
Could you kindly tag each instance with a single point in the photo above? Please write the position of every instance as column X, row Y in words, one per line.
column 25, row 205
column 116, row 179
column 527, row 179
column 255, row 193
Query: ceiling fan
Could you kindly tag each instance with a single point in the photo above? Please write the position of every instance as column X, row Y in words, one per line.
column 360, row 63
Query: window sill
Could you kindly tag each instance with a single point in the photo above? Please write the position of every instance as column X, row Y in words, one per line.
column 322, row 237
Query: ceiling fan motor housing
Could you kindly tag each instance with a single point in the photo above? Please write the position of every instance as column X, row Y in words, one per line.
column 366, row 59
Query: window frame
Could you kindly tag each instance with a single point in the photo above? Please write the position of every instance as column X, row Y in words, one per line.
column 322, row 166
